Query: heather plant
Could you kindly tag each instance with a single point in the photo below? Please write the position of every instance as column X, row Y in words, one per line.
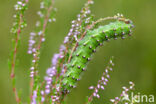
column 68, row 65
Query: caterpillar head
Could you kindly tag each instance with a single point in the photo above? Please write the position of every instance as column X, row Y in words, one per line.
column 127, row 21
column 120, row 17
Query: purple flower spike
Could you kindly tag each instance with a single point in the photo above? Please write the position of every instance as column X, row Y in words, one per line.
column 55, row 59
column 91, row 87
column 101, row 83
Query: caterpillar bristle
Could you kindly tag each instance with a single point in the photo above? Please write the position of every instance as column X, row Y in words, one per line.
column 90, row 47
column 78, row 67
column 83, row 69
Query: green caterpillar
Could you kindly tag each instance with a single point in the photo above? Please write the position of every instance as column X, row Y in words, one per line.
column 87, row 46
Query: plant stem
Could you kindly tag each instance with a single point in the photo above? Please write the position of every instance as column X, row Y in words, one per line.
column 36, row 58
column 14, row 58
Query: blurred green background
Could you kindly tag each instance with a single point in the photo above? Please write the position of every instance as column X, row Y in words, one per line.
column 135, row 57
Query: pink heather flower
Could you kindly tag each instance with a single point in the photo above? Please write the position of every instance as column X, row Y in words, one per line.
column 42, row 92
column 55, row 59
column 58, row 89
column 73, row 22
column 96, row 90
column 102, row 78
column 112, row 100
column 32, row 68
column 31, row 42
column 19, row 2
column 47, row 86
column 66, row 39
column 33, row 61
column 108, row 76
column 31, row 75
column 29, row 52
column 48, row 78
column 111, row 69
column 26, row 1
column 49, row 82
column 124, row 87
column 106, row 79
column 62, row 48
column 75, row 36
column 104, row 83
column 40, row 14
column 63, row 70
column 98, row 96
column 98, row 86
column 91, row 87
column 61, row 56
column 94, row 94
column 34, row 50
column 51, row 71
column 50, row 20
column 54, row 19
column 117, row 98
column 40, row 32
column 55, row 98
column 69, row 34
column 42, row 99
column 131, row 87
column 32, row 34
column 47, row 91
column 106, row 70
column 131, row 83
column 34, row 97
column 102, row 87
column 23, row 4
